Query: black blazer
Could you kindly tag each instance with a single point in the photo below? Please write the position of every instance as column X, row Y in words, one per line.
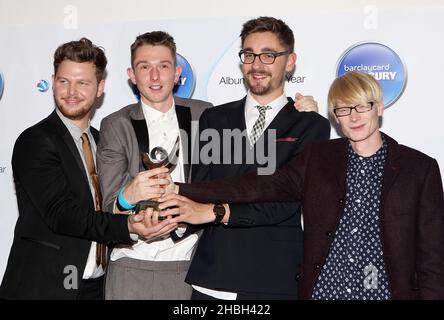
column 411, row 212
column 57, row 221
column 259, row 250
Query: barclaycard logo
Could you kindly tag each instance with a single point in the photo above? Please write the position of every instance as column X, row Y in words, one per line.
column 185, row 87
column 2, row 84
column 43, row 85
column 381, row 62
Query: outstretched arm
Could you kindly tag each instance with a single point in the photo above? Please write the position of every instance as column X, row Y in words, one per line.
column 286, row 184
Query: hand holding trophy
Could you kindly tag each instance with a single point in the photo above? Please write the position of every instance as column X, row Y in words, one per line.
column 156, row 158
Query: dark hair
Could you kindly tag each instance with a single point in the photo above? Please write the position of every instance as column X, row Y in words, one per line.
column 269, row 24
column 81, row 51
column 154, row 38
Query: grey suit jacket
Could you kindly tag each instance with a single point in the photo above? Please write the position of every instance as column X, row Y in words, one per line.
column 118, row 156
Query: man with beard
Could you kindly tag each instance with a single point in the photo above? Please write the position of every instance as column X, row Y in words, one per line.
column 154, row 269
column 373, row 208
column 59, row 248
column 254, row 254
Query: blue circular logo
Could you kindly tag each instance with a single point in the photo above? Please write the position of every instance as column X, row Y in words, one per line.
column 381, row 62
column 185, row 87
column 2, row 84
column 43, row 85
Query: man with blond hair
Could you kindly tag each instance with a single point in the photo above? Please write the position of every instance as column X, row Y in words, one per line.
column 373, row 208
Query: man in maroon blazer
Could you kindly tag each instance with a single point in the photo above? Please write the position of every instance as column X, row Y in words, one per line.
column 373, row 209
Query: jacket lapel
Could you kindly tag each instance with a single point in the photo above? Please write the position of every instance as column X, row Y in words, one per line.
column 67, row 138
column 95, row 134
column 391, row 169
column 140, row 130
column 334, row 172
column 184, row 119
column 235, row 119
column 285, row 119
column 136, row 112
column 338, row 164
column 63, row 132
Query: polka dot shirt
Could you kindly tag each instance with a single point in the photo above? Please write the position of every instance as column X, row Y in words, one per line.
column 354, row 268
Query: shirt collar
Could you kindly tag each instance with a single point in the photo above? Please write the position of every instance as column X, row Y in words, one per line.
column 381, row 153
column 275, row 105
column 74, row 130
column 153, row 115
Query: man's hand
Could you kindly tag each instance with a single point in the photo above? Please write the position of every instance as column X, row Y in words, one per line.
column 147, row 225
column 186, row 209
column 171, row 187
column 305, row 103
column 146, row 185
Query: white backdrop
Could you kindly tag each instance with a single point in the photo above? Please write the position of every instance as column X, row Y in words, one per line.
column 207, row 35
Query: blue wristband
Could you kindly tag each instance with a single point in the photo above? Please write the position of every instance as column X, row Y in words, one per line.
column 123, row 203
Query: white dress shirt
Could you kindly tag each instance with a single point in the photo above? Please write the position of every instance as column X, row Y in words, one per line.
column 163, row 130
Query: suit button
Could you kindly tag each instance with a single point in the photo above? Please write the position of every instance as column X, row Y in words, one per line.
column 329, row 234
column 317, row 266
column 297, row 276
column 341, row 201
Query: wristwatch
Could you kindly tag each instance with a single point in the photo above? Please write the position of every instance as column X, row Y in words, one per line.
column 219, row 212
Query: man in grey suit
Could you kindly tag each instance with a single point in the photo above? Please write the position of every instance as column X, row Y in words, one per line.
column 148, row 269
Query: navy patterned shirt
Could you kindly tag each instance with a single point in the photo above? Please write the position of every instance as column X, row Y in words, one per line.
column 354, row 268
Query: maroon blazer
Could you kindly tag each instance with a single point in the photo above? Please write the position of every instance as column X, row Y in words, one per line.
column 411, row 211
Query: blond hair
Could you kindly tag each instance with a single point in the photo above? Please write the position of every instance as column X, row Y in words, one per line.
column 354, row 87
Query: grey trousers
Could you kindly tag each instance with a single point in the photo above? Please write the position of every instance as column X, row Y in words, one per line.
column 132, row 279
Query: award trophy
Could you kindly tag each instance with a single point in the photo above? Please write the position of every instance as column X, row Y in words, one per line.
column 156, row 158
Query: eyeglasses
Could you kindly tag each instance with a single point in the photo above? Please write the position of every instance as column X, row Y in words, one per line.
column 248, row 57
column 360, row 108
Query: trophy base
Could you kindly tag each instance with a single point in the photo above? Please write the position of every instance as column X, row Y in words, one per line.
column 145, row 204
column 154, row 204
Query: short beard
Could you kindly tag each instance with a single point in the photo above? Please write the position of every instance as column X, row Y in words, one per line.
column 78, row 114
column 259, row 90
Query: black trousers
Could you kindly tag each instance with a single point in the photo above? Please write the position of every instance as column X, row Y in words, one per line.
column 92, row 289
